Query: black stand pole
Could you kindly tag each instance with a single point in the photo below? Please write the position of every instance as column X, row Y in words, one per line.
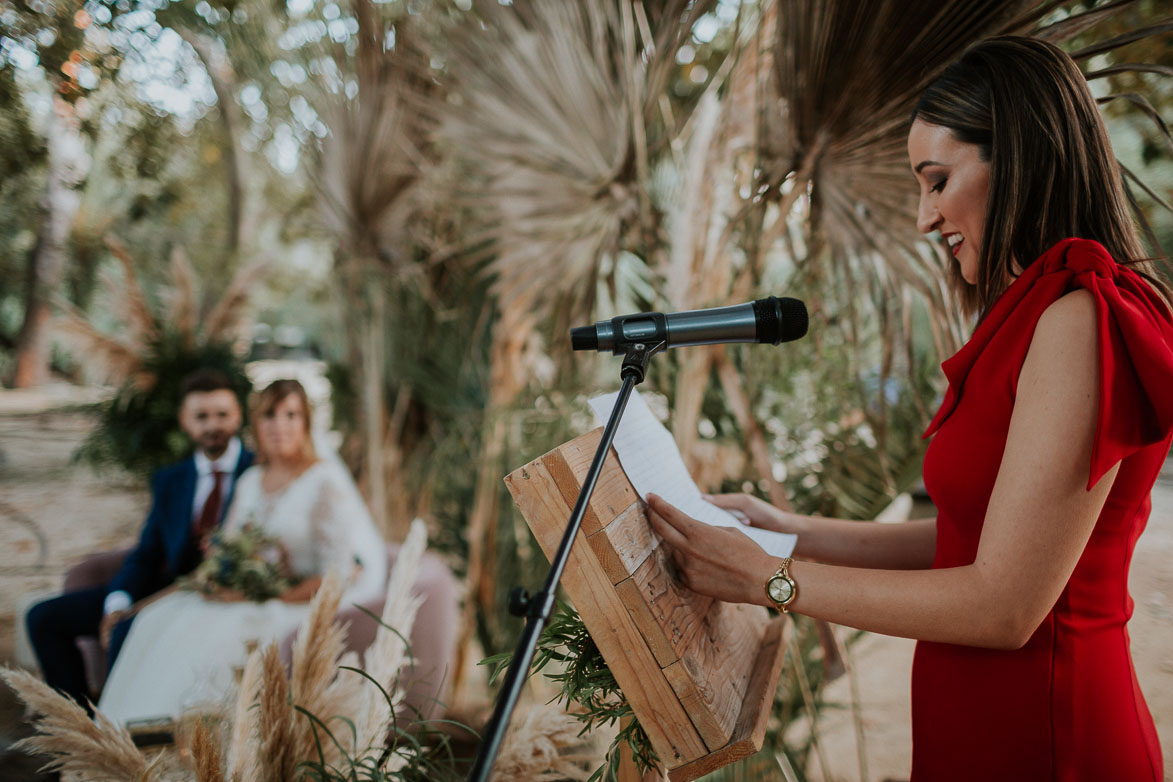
column 537, row 609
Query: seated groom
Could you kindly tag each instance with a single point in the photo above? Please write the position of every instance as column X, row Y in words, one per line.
column 188, row 502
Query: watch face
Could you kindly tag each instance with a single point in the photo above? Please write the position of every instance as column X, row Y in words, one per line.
column 780, row 589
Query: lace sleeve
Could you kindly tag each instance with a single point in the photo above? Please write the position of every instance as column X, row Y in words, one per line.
column 345, row 538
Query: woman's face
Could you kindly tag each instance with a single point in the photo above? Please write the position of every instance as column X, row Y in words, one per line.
column 281, row 433
column 954, row 190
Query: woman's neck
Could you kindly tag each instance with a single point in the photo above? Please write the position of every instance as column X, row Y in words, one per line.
column 281, row 472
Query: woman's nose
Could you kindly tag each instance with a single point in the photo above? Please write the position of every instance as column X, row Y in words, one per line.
column 927, row 216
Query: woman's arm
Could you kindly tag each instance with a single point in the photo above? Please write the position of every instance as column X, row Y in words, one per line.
column 909, row 545
column 906, row 546
column 346, row 537
column 1038, row 521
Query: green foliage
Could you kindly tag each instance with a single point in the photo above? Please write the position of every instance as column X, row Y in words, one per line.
column 424, row 749
column 138, row 430
column 22, row 158
column 587, row 683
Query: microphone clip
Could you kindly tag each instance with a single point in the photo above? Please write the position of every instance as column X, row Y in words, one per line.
column 636, row 357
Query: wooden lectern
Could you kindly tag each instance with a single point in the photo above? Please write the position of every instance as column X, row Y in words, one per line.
column 699, row 674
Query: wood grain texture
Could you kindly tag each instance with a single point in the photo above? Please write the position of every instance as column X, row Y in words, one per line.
column 569, row 465
column 625, row 542
column 750, row 732
column 635, row 668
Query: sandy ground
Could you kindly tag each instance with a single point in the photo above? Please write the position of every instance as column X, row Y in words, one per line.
column 53, row 512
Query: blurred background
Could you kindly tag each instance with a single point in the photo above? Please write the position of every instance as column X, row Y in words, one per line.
column 408, row 203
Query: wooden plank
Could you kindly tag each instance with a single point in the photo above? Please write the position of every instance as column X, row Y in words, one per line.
column 721, row 659
column 569, row 464
column 679, row 612
column 750, row 732
column 624, row 544
column 636, row 604
column 697, row 704
column 635, row 668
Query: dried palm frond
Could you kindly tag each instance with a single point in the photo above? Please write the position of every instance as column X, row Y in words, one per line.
column 140, row 321
column 226, row 316
column 544, row 744
column 112, row 358
column 182, row 298
column 76, row 744
column 369, row 163
column 121, row 358
column 544, row 122
column 387, row 655
column 547, row 129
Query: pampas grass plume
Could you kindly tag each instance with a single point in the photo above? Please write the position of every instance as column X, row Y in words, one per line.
column 273, row 759
column 388, row 652
column 544, row 745
column 92, row 749
column 205, row 750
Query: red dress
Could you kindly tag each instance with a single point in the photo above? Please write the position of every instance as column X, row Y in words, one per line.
column 1066, row 706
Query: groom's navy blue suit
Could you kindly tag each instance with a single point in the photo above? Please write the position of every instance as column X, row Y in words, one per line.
column 167, row 548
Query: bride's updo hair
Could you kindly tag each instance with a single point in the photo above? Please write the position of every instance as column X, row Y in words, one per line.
column 265, row 402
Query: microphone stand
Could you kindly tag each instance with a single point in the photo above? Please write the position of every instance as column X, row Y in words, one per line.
column 537, row 608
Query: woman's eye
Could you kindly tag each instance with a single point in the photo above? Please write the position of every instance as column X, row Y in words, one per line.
column 937, row 188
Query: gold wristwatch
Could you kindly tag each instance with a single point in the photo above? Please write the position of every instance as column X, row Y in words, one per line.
column 780, row 588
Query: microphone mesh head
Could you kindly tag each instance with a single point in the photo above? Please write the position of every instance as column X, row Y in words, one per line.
column 794, row 319
column 779, row 320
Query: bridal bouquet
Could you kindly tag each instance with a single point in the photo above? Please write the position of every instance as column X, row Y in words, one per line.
column 246, row 561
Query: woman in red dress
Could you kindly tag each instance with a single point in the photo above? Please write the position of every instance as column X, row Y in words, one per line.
column 1057, row 420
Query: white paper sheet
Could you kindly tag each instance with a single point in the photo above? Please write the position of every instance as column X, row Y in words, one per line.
column 653, row 464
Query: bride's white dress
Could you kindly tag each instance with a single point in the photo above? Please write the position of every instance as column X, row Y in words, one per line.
column 182, row 650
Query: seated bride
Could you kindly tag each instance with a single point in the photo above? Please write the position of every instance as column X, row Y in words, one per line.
column 294, row 517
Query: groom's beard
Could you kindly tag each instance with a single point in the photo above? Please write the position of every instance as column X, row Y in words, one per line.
column 214, row 444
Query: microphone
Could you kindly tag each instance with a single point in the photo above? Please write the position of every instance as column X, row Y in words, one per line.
column 771, row 320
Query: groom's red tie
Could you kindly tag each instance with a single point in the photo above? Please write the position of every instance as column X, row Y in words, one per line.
column 210, row 513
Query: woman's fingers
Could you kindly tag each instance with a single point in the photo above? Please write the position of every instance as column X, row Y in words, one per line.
column 675, row 516
column 738, row 501
column 668, row 533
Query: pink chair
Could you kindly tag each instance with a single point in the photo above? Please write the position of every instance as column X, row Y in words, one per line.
column 433, row 636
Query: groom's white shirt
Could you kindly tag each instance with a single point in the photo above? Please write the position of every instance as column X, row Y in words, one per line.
column 205, row 482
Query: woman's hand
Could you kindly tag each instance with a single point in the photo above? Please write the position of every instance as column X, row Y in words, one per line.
column 761, row 514
column 303, row 592
column 225, row 595
column 721, row 562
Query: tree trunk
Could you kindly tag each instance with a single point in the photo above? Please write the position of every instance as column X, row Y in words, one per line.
column 67, row 166
column 374, row 406
column 241, row 216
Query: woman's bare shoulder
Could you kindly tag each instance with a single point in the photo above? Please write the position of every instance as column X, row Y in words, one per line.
column 1069, row 324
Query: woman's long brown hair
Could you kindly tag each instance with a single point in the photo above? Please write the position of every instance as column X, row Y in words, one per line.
column 268, row 399
column 1053, row 175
